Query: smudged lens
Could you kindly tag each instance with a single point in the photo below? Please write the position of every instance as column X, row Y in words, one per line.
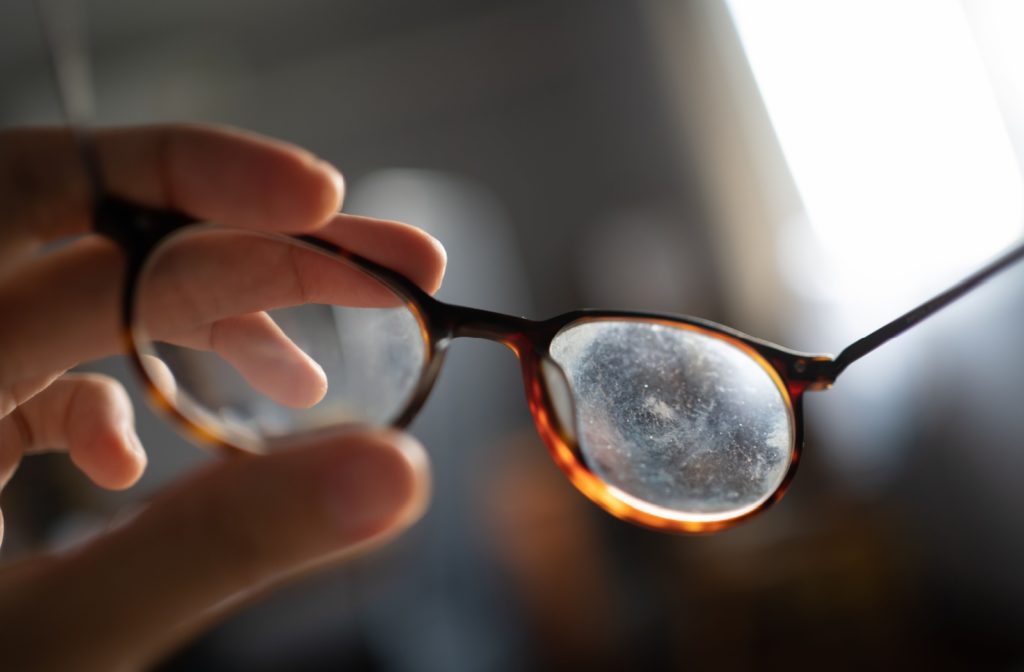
column 259, row 339
column 675, row 417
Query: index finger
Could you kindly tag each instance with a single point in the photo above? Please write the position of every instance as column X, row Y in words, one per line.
column 219, row 174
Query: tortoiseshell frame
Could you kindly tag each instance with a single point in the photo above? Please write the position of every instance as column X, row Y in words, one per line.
column 139, row 229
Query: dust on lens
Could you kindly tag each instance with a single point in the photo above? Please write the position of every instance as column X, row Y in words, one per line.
column 675, row 417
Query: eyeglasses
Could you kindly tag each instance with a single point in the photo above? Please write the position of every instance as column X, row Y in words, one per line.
column 253, row 342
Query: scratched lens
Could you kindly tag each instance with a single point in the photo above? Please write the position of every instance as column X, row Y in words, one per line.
column 683, row 422
column 259, row 339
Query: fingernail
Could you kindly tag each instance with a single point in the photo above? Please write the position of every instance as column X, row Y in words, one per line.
column 374, row 488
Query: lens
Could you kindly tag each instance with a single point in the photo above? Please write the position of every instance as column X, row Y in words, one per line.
column 256, row 339
column 675, row 417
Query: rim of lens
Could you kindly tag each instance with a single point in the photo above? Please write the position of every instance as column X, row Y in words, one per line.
column 564, row 445
column 191, row 422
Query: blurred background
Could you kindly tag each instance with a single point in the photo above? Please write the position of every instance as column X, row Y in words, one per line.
column 801, row 170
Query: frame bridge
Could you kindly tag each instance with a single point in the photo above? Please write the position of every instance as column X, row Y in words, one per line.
column 476, row 323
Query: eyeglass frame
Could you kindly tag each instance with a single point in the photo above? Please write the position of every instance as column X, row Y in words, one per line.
column 138, row 230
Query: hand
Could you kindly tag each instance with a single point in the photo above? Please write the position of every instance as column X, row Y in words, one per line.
column 236, row 527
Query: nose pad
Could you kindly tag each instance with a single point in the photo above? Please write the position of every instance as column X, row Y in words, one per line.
column 561, row 397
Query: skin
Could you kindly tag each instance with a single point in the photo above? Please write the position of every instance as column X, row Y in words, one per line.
column 237, row 527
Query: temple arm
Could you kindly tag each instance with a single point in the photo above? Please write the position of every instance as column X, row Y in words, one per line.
column 904, row 322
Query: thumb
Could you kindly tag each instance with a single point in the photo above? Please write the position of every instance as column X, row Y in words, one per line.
column 240, row 526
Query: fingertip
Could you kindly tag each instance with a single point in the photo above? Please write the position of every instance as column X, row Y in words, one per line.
column 137, row 457
column 302, row 385
column 418, row 463
column 377, row 487
column 316, row 385
column 300, row 192
column 334, row 193
column 318, row 193
column 113, row 459
column 428, row 259
column 403, row 247
column 424, row 259
column 269, row 360
column 296, row 380
column 440, row 265
column 100, row 431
